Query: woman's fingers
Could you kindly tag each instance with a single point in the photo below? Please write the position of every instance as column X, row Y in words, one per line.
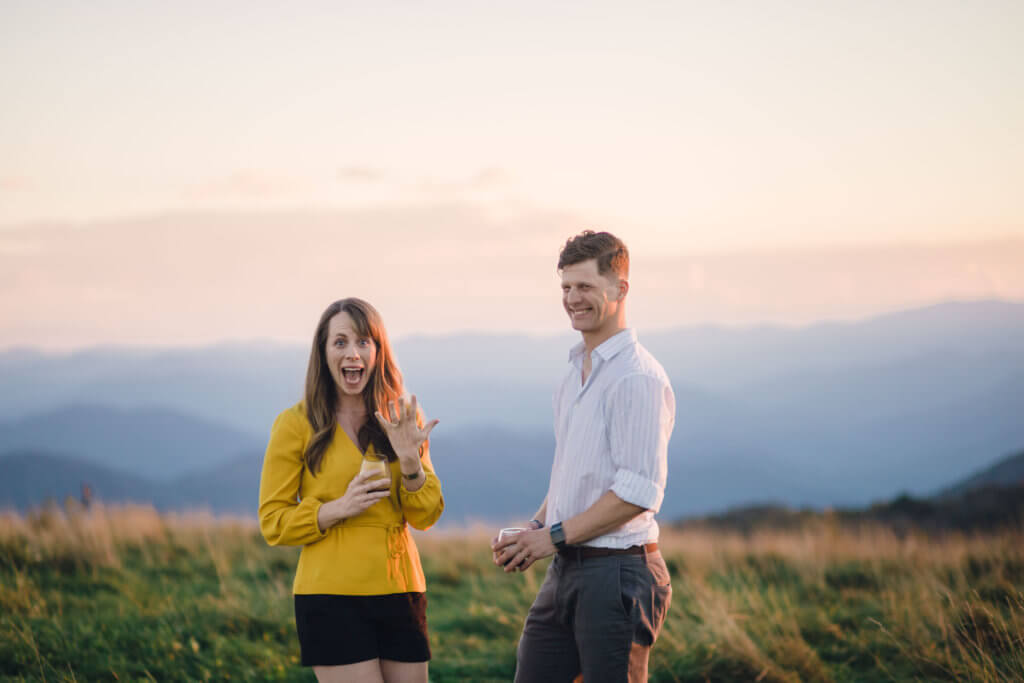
column 366, row 482
column 398, row 411
column 370, row 487
column 370, row 497
column 364, row 478
column 430, row 426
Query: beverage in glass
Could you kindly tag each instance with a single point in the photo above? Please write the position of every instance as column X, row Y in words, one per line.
column 379, row 466
column 510, row 531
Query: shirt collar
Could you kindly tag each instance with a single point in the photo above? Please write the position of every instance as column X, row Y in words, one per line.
column 607, row 349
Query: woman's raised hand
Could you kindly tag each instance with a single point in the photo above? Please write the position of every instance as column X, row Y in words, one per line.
column 399, row 423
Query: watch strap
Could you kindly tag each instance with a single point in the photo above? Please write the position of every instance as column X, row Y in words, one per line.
column 557, row 536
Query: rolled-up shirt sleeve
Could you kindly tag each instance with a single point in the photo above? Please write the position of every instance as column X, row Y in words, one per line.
column 423, row 507
column 284, row 519
column 641, row 414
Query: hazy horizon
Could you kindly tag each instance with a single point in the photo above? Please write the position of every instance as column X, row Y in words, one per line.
column 201, row 278
column 570, row 335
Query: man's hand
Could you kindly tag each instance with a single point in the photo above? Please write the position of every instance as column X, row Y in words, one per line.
column 520, row 551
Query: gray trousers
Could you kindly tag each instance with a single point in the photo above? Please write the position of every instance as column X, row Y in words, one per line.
column 596, row 616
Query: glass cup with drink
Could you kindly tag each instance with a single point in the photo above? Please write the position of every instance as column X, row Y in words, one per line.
column 378, row 465
column 510, row 531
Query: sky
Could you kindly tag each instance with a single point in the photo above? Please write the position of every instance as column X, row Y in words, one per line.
column 183, row 173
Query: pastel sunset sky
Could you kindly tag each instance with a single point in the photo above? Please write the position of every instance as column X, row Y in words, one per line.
column 190, row 172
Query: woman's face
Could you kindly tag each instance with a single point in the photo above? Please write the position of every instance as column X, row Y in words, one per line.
column 350, row 356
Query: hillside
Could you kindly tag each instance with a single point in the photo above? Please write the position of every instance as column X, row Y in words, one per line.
column 1006, row 472
column 984, row 509
column 30, row 478
column 990, row 500
column 486, row 475
column 150, row 442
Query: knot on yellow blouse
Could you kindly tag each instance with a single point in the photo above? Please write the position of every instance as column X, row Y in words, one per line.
column 396, row 541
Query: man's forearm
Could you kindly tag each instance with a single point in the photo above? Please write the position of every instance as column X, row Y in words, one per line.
column 608, row 513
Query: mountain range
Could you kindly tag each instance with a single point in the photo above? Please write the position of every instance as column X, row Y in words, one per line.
column 829, row 414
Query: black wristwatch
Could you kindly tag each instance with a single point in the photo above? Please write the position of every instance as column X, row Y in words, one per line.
column 558, row 536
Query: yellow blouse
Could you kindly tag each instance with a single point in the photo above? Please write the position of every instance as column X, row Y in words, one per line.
column 369, row 554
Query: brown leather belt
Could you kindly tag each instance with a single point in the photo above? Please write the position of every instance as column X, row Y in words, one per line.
column 583, row 552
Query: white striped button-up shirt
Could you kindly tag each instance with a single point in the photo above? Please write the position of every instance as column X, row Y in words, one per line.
column 611, row 434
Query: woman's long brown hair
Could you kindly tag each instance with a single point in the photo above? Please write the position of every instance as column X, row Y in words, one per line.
column 384, row 385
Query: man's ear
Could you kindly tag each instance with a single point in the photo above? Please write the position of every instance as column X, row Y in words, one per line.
column 623, row 289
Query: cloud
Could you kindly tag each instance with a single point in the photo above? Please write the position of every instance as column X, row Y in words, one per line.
column 201, row 276
column 242, row 184
column 804, row 285
column 198, row 277
column 15, row 183
column 488, row 178
column 361, row 174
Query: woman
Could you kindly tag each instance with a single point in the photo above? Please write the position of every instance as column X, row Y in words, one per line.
column 360, row 608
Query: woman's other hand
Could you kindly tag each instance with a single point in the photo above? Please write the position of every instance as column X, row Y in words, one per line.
column 362, row 492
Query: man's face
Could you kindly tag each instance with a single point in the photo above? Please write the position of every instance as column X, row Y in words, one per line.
column 592, row 300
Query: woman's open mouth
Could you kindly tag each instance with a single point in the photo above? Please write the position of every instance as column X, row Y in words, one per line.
column 352, row 376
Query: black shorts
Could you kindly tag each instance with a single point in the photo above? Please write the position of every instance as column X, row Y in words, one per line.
column 345, row 629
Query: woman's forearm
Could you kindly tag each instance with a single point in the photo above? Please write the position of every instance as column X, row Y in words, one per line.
column 328, row 515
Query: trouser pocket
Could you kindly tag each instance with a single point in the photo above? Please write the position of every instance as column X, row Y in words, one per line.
column 645, row 598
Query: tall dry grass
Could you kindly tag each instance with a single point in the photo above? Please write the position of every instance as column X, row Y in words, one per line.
column 927, row 607
column 821, row 604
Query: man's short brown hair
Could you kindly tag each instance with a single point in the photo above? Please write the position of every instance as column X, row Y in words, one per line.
column 610, row 252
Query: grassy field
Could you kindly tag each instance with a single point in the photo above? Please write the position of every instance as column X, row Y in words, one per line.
column 127, row 594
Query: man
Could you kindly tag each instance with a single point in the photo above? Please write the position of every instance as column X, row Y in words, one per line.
column 607, row 590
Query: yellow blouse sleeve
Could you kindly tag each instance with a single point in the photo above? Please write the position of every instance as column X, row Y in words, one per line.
column 284, row 519
column 423, row 507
